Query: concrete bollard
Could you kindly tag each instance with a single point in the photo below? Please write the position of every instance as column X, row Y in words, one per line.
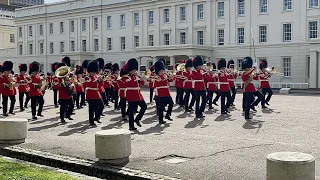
column 13, row 130
column 290, row 166
column 113, row 146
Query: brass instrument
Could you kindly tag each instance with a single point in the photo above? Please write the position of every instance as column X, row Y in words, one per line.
column 274, row 71
column 63, row 73
column 181, row 67
column 44, row 83
column 11, row 81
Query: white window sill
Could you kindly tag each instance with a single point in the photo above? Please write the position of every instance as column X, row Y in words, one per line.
column 222, row 17
column 200, row 19
column 263, row 13
column 241, row 15
column 313, row 7
column 285, row 11
column 166, row 22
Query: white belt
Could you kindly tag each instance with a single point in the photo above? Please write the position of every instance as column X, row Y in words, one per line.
column 230, row 79
column 133, row 88
column 123, row 89
column 219, row 84
column 194, row 82
column 36, row 84
column 22, row 84
column 93, row 89
column 264, row 80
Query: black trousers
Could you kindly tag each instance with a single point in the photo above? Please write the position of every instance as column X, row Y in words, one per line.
column 106, row 100
column 66, row 107
column 210, row 97
column 244, row 101
column 151, row 94
column 94, row 109
column 200, row 95
column 157, row 104
column 177, row 95
column 224, row 105
column 55, row 96
column 163, row 102
column 260, row 98
column 248, row 96
column 116, row 99
column 265, row 91
column 233, row 94
column 181, row 93
column 34, row 101
column 104, row 97
column 133, row 106
column 123, row 104
column 21, row 98
column 101, row 107
column 83, row 98
column 5, row 103
column 112, row 94
column 74, row 98
column 188, row 106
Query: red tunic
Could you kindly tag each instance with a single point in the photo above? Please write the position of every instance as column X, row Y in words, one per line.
column 63, row 92
column 179, row 80
column 211, row 82
column 35, row 85
column 162, row 87
column 114, row 78
column 187, row 83
column 231, row 79
column 223, row 82
column 264, row 80
column 106, row 85
column 1, row 86
column 250, row 87
column 92, row 88
column 133, row 93
column 198, row 80
column 151, row 81
column 122, row 87
column 55, row 82
column 22, row 84
column 79, row 87
column 6, row 91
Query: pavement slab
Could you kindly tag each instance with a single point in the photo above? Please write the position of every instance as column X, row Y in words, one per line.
column 218, row 147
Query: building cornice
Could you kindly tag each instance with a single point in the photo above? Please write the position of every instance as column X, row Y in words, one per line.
column 174, row 47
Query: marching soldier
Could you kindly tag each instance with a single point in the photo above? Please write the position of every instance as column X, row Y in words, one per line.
column 35, row 93
column 8, row 89
column 80, row 88
column 101, row 84
column 122, row 91
column 23, row 86
column 151, row 83
column 187, row 85
column 179, row 85
column 1, row 86
column 231, row 78
column 212, row 86
column 54, row 84
column 115, row 74
column 85, row 67
column 107, row 84
column 224, row 88
column 264, row 81
column 199, row 86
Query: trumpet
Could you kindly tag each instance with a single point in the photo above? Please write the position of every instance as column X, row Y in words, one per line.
column 274, row 71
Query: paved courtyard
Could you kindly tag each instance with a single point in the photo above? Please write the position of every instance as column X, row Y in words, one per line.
column 219, row 147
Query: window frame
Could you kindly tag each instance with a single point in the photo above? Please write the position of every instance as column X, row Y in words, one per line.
column 123, row 43
column 109, row 22
column 72, row 24
column 149, row 40
column 260, row 34
column 284, row 33
column 61, row 27
column 220, row 11
column 241, row 8
column 219, row 38
column 166, row 38
column 72, row 46
column 30, row 29
column 200, row 14
column 151, row 17
column 51, row 28
column 136, row 41
column 286, row 4
column 166, row 13
column 183, row 14
column 266, row 7
column 287, row 71
column 30, row 48
column 200, row 40
column 136, row 19
column 311, row 4
column 96, row 45
column 314, row 30
column 51, row 45
column 83, row 25
column 109, row 44
column 62, row 50
column 95, row 23
column 84, row 45
column 41, row 49
column 122, row 21
column 238, row 35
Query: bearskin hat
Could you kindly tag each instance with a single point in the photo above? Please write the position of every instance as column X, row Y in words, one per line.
column 159, row 66
column 23, row 67
column 67, row 61
column 123, row 71
column 7, row 66
column 222, row 63
column 214, row 67
column 1, row 69
column 79, row 70
column 60, row 65
column 163, row 60
column 152, row 69
column 197, row 61
column 85, row 64
column 34, row 67
column 189, row 63
column 115, row 67
column 263, row 64
column 247, row 63
column 53, row 67
column 132, row 64
column 108, row 66
column 101, row 63
column 93, row 66
column 230, row 64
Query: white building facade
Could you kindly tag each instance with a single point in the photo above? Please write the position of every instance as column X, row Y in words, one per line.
column 285, row 32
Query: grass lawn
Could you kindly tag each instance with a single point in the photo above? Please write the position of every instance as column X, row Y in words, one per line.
column 19, row 171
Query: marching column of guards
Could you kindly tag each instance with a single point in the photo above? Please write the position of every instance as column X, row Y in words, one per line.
column 198, row 84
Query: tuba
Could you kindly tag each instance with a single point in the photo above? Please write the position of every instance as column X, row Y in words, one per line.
column 64, row 72
column 147, row 73
column 181, row 67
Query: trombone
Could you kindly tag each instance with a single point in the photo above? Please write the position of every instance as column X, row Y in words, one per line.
column 274, row 71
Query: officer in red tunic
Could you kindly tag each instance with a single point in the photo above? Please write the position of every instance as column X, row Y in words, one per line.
column 1, row 86
column 163, row 92
column 224, row 88
column 23, row 86
column 122, row 91
column 54, row 84
column 107, row 84
column 101, row 84
column 231, row 78
column 80, row 88
column 92, row 91
column 115, row 74
column 35, row 93
column 264, row 81
column 133, row 94
column 187, row 85
column 8, row 89
column 151, row 83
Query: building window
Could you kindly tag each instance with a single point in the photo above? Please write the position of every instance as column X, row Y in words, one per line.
column 150, row 40
column 240, row 35
column 136, row 41
column 41, row 29
column 166, row 39
column 123, row 43
column 241, row 7
column 262, row 34
column 314, row 3
column 123, row 20
column 239, row 63
column 151, row 17
column 96, row 45
column 51, row 28
column 61, row 27
column 220, row 9
column 263, row 6
column 30, row 31
column 12, row 38
column 182, row 13
column 313, row 29
column 72, row 26
column 287, row 67
column 41, row 48
column 136, row 19
column 20, row 49
column 109, row 44
column 51, row 48
column 95, row 24
column 84, row 25
column 182, row 38
column 200, row 37
column 166, row 15
column 109, row 25
column 221, row 37
column 61, row 47
column 84, row 45
column 200, row 12
column 20, row 31
column 72, row 46
column 287, row 5
column 286, row 32
column 30, row 49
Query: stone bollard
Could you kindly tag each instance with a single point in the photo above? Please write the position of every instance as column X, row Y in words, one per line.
column 13, row 130
column 113, row 146
column 290, row 166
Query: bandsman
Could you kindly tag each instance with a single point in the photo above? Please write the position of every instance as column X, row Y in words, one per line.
column 8, row 88
column 115, row 74
column 264, row 82
column 122, row 91
column 80, row 88
column 199, row 86
column 107, row 84
column 23, row 86
column 224, row 88
column 211, row 81
column 232, row 76
column 187, row 85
